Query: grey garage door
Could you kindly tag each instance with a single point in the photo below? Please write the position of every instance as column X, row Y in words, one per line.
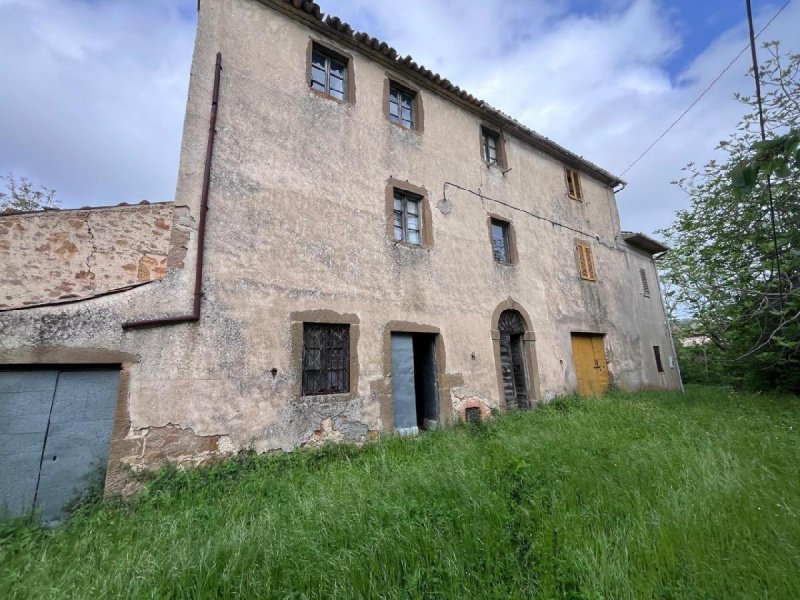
column 55, row 427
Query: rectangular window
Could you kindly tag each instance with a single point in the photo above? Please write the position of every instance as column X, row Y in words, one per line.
column 326, row 358
column 500, row 241
column 402, row 106
column 645, row 286
column 490, row 143
column 328, row 73
column 657, row 353
column 573, row 184
column 586, row 262
column 407, row 217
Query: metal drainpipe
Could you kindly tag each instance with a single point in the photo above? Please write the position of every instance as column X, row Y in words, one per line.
column 201, row 225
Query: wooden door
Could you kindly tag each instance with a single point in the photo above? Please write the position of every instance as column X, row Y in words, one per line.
column 591, row 366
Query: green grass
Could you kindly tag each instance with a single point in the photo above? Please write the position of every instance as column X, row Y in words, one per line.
column 629, row 496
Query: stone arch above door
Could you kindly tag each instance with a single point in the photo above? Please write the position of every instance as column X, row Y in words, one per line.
column 514, row 348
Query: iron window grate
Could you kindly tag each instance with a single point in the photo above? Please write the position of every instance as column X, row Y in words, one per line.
column 326, row 358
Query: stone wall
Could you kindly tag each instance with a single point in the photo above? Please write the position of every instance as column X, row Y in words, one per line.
column 59, row 255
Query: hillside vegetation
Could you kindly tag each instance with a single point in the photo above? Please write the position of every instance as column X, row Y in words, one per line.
column 630, row 496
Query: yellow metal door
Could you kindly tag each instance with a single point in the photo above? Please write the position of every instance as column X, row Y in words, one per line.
column 591, row 367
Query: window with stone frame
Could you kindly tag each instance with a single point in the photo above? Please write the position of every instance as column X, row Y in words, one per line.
column 407, row 217
column 402, row 106
column 501, row 241
column 326, row 358
column 329, row 72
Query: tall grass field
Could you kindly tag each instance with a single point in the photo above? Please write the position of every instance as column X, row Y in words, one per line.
column 639, row 496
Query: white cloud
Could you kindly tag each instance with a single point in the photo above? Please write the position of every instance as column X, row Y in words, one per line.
column 94, row 96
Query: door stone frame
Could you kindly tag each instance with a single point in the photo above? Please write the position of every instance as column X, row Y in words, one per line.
column 381, row 389
column 529, row 352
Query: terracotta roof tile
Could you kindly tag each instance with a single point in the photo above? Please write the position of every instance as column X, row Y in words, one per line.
column 369, row 43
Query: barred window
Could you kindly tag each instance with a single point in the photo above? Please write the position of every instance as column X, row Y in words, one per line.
column 407, row 218
column 326, row 358
column 402, row 106
column 328, row 73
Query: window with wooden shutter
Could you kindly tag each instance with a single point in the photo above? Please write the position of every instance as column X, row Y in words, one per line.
column 645, row 286
column 586, row 262
column 573, row 183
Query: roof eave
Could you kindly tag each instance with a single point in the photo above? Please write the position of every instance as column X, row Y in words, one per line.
column 644, row 242
column 309, row 13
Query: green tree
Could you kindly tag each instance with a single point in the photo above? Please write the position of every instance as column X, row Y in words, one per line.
column 723, row 268
column 22, row 195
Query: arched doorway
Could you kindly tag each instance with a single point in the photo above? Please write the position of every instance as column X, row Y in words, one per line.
column 513, row 367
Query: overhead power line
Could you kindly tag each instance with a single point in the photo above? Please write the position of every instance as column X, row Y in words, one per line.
column 704, row 92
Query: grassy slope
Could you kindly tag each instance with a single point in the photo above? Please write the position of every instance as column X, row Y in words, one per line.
column 632, row 496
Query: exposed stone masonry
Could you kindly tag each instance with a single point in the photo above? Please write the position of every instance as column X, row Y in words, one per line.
column 59, row 255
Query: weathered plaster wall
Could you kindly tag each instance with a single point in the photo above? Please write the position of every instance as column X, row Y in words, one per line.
column 297, row 223
column 70, row 254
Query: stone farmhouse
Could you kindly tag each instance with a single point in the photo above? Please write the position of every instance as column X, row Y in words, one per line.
column 356, row 247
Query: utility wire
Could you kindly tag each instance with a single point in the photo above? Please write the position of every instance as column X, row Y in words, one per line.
column 552, row 222
column 704, row 92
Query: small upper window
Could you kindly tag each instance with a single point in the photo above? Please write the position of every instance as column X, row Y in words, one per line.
column 402, row 106
column 586, row 262
column 490, row 144
column 501, row 246
column 328, row 73
column 326, row 358
column 573, row 183
column 657, row 354
column 407, row 217
column 645, row 285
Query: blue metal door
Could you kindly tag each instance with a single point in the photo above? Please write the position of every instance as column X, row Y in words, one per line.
column 404, row 396
column 25, row 401
column 55, row 429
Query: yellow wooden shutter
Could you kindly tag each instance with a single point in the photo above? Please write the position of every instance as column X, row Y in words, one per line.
column 586, row 262
column 573, row 183
column 590, row 263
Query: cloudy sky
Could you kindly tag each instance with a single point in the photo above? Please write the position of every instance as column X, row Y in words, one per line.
column 94, row 90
